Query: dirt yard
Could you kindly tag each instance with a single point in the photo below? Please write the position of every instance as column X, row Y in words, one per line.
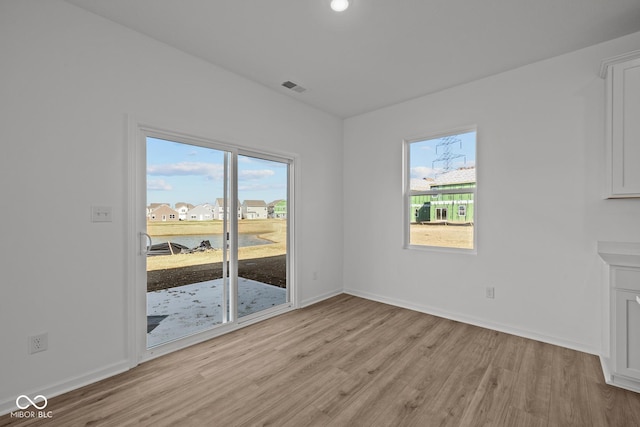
column 458, row 236
column 271, row 270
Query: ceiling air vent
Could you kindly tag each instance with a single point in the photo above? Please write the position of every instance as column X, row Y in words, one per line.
column 293, row 86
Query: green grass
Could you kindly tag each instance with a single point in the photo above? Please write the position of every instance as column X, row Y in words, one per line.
column 184, row 228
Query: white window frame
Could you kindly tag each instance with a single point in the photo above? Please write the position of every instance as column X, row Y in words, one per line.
column 408, row 193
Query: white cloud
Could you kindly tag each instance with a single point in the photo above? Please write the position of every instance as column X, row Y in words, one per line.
column 158, row 185
column 255, row 174
column 260, row 187
column 210, row 170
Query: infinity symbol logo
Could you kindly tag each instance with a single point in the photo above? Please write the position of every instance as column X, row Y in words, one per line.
column 31, row 402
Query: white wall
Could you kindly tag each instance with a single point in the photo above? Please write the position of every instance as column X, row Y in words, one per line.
column 539, row 207
column 67, row 80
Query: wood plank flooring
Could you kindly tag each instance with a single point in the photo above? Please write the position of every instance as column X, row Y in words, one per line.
column 348, row 361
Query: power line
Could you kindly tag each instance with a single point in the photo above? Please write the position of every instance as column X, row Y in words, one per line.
column 447, row 155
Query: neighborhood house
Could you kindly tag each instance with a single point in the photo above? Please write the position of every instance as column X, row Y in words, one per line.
column 249, row 209
column 447, row 207
column 254, row 209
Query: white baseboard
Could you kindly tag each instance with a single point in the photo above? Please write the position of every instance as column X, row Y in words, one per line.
column 474, row 321
column 53, row 390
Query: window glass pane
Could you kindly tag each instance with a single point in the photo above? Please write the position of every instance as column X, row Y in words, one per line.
column 442, row 183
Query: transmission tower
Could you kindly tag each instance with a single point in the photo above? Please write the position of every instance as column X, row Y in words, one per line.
column 446, row 155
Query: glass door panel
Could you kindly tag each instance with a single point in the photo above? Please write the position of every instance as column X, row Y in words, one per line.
column 188, row 224
column 263, row 232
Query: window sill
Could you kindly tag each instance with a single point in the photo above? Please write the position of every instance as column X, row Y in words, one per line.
column 442, row 249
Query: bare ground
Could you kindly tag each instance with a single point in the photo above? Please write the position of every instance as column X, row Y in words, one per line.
column 456, row 236
column 271, row 270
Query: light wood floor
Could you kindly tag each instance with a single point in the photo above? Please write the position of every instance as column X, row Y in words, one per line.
column 348, row 361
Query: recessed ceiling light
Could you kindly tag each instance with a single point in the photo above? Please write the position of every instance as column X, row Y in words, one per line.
column 339, row 5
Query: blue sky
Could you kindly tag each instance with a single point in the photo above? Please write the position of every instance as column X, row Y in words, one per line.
column 179, row 172
column 424, row 153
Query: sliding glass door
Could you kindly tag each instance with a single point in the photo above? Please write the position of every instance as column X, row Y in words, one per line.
column 216, row 237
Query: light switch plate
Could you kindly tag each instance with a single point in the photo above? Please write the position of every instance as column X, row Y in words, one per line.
column 101, row 214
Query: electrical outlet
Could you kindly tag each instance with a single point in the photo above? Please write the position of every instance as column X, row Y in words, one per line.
column 490, row 292
column 38, row 343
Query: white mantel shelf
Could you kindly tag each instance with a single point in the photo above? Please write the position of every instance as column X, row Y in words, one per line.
column 625, row 254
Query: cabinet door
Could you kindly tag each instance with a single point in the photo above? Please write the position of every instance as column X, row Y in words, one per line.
column 627, row 345
column 625, row 129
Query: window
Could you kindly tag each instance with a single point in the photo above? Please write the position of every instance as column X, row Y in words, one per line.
column 441, row 214
column 440, row 191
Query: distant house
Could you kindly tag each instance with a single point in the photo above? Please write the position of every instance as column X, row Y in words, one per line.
column 163, row 213
column 153, row 206
column 218, row 208
column 203, row 212
column 182, row 209
column 453, row 208
column 254, row 209
column 277, row 209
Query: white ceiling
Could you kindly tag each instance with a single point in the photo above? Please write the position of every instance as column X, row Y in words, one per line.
column 378, row 52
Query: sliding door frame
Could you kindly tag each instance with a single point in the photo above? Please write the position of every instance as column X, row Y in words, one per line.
column 135, row 259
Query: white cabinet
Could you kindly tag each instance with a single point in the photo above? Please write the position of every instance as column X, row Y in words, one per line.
column 622, row 74
column 626, row 339
column 622, row 368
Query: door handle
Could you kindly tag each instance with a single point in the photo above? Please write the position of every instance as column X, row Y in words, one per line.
column 638, row 299
column 144, row 239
